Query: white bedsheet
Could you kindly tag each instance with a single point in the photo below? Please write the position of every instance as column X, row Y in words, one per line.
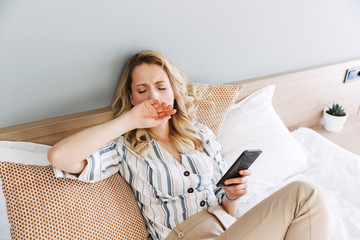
column 337, row 172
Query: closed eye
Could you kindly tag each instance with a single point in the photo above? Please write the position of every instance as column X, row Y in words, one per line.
column 162, row 88
column 142, row 91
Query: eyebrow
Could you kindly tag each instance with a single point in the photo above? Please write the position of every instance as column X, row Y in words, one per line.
column 144, row 84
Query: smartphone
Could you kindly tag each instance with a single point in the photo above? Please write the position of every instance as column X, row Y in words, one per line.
column 244, row 161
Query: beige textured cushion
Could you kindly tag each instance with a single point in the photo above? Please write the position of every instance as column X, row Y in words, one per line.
column 41, row 206
column 215, row 104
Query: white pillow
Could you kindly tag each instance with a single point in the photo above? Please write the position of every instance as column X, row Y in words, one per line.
column 253, row 124
column 18, row 152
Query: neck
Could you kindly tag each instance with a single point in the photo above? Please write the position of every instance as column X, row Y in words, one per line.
column 161, row 133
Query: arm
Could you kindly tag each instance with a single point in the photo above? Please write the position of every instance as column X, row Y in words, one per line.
column 235, row 191
column 70, row 153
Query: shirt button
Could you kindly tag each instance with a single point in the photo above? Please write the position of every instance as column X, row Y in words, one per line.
column 186, row 173
column 181, row 235
column 190, row 190
column 202, row 203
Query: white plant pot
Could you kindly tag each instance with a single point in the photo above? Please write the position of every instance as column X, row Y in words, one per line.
column 333, row 123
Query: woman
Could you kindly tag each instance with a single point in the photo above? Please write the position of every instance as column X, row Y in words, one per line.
column 172, row 164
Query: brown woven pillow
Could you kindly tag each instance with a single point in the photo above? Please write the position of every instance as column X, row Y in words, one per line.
column 41, row 206
column 215, row 104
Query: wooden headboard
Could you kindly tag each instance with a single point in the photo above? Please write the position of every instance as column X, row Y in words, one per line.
column 301, row 95
column 299, row 99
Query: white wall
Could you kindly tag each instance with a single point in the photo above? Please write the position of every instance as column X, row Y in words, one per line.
column 61, row 57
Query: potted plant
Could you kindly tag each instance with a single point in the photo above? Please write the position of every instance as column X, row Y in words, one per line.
column 334, row 118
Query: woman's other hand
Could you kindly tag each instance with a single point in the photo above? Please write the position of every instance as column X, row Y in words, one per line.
column 238, row 186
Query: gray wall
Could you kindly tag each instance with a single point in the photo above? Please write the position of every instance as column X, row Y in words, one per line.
column 61, row 57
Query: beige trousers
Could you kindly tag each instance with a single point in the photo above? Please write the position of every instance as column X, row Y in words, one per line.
column 297, row 211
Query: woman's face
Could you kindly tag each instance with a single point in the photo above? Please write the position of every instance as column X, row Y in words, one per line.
column 150, row 81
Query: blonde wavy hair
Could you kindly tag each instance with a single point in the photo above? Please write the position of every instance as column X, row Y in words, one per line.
column 182, row 130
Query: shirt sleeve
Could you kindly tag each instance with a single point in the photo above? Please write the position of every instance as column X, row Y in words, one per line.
column 219, row 169
column 100, row 165
column 213, row 149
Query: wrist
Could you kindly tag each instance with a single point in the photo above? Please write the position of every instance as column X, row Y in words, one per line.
column 231, row 200
column 124, row 123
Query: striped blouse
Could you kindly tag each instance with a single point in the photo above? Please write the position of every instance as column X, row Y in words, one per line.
column 167, row 192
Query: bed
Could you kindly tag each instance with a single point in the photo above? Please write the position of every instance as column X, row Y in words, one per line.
column 279, row 114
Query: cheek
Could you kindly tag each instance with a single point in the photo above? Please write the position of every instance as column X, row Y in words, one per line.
column 137, row 98
column 169, row 98
column 171, row 95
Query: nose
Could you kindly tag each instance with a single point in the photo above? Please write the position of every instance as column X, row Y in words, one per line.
column 154, row 94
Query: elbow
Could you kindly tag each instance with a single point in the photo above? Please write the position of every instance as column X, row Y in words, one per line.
column 53, row 157
column 63, row 162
